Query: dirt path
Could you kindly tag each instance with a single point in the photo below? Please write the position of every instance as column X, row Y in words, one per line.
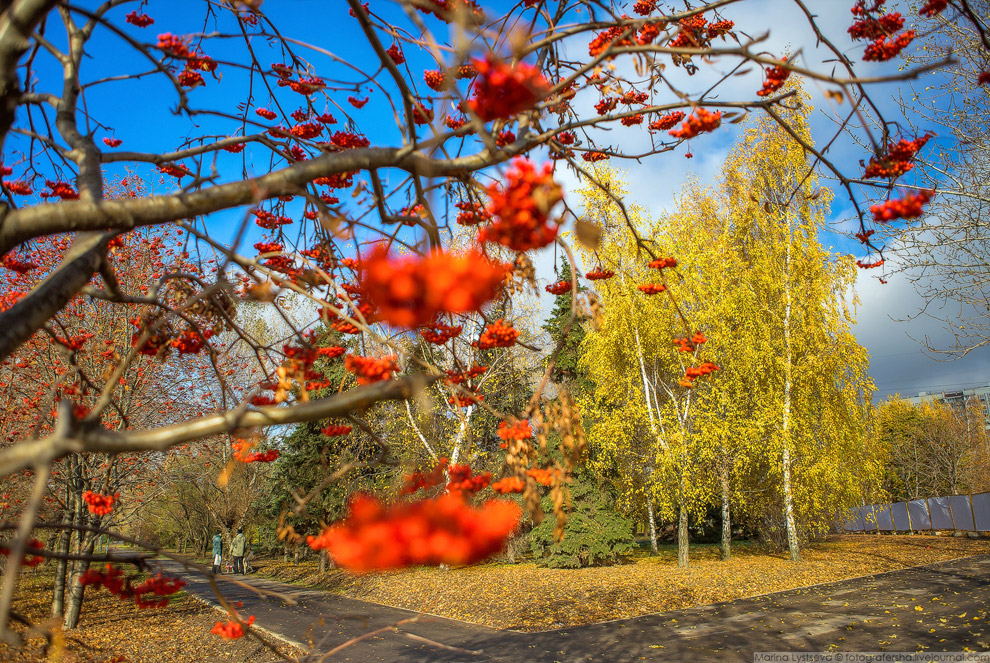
column 941, row 607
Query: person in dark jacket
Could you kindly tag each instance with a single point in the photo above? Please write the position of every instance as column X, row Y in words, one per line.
column 217, row 550
column 237, row 547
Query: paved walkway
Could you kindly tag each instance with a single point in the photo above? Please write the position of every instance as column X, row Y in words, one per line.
column 875, row 613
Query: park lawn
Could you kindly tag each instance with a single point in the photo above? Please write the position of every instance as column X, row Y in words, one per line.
column 528, row 598
column 115, row 631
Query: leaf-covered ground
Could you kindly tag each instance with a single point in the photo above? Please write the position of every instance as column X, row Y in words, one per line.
column 526, row 597
column 114, row 631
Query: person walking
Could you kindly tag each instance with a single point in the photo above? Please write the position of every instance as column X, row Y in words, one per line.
column 217, row 549
column 237, row 547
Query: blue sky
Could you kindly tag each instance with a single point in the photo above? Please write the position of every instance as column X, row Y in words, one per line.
column 140, row 113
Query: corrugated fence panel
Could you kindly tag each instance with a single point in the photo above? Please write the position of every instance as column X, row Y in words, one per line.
column 854, row 522
column 884, row 521
column 899, row 514
column 941, row 513
column 981, row 507
column 962, row 512
column 870, row 518
column 919, row 515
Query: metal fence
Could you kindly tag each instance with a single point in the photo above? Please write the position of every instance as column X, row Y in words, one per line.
column 970, row 513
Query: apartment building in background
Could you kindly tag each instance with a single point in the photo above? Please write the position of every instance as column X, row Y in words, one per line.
column 957, row 398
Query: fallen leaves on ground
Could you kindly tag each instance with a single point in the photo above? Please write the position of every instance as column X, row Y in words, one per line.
column 114, row 631
column 528, row 598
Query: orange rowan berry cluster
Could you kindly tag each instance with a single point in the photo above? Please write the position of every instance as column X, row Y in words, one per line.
column 27, row 559
column 685, row 344
column 463, row 481
column 123, row 588
column 421, row 480
column 774, row 80
column 521, row 209
column 504, row 138
column 112, row 142
column 607, row 39
column 20, row 188
column 911, row 206
column 869, row 265
column 265, row 113
column 649, row 32
column 172, row 169
column 439, row 333
column 98, row 504
column 466, row 400
column 191, row 341
column 699, row 122
column 503, row 91
column 882, row 50
column 541, row 475
column 499, row 334
column 599, row 275
column 336, row 430
column 517, row 430
column 62, row 190
column 460, row 377
column 371, row 369
column 632, row 120
column 242, row 452
column 412, row 291
column 559, row 288
column 509, row 485
column 652, row 288
column 443, row 530
column 606, row 105
column 195, row 62
column 306, row 130
column 644, row 7
column 897, row 160
column 422, row 113
column 232, row 629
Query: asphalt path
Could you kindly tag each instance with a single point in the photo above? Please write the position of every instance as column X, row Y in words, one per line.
column 940, row 607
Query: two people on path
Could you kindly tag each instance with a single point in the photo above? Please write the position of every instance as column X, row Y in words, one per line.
column 237, row 549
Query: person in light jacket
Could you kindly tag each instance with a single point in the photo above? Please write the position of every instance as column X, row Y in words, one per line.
column 217, row 549
column 237, row 547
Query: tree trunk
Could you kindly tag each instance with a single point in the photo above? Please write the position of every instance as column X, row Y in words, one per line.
column 682, row 537
column 64, row 542
column 785, row 461
column 725, row 547
column 323, row 561
column 652, row 522
column 77, row 590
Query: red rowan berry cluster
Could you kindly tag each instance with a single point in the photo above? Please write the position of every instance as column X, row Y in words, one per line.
column 462, row 481
column 644, row 7
column 34, row 545
column 195, row 62
column 685, row 344
column 232, row 629
column 663, row 263
column 609, row 38
column 879, row 29
column 112, row 142
column 62, row 190
column 358, row 103
column 140, row 20
column 306, row 85
column 411, row 291
column 521, row 208
column 371, row 369
column 460, row 377
column 422, row 480
column 422, row 113
column 265, row 113
column 517, row 430
column 466, row 400
column 882, row 50
column 774, row 80
column 911, row 206
column 897, row 160
column 933, row 8
column 471, row 214
column 591, row 157
column 242, row 452
column 98, row 504
column 190, row 341
column 632, row 120
column 559, row 288
column 455, row 123
column 503, row 91
column 14, row 264
column 114, row 581
column 336, row 430
column 652, row 288
column 869, row 265
column 396, row 54
column 499, row 334
column 565, row 138
column 599, row 275
column 269, row 221
column 439, row 333
column 435, row 79
column 443, row 530
column 306, row 130
column 649, row 32
column 700, row 121
column 606, row 105
column 20, row 188
column 172, row 169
